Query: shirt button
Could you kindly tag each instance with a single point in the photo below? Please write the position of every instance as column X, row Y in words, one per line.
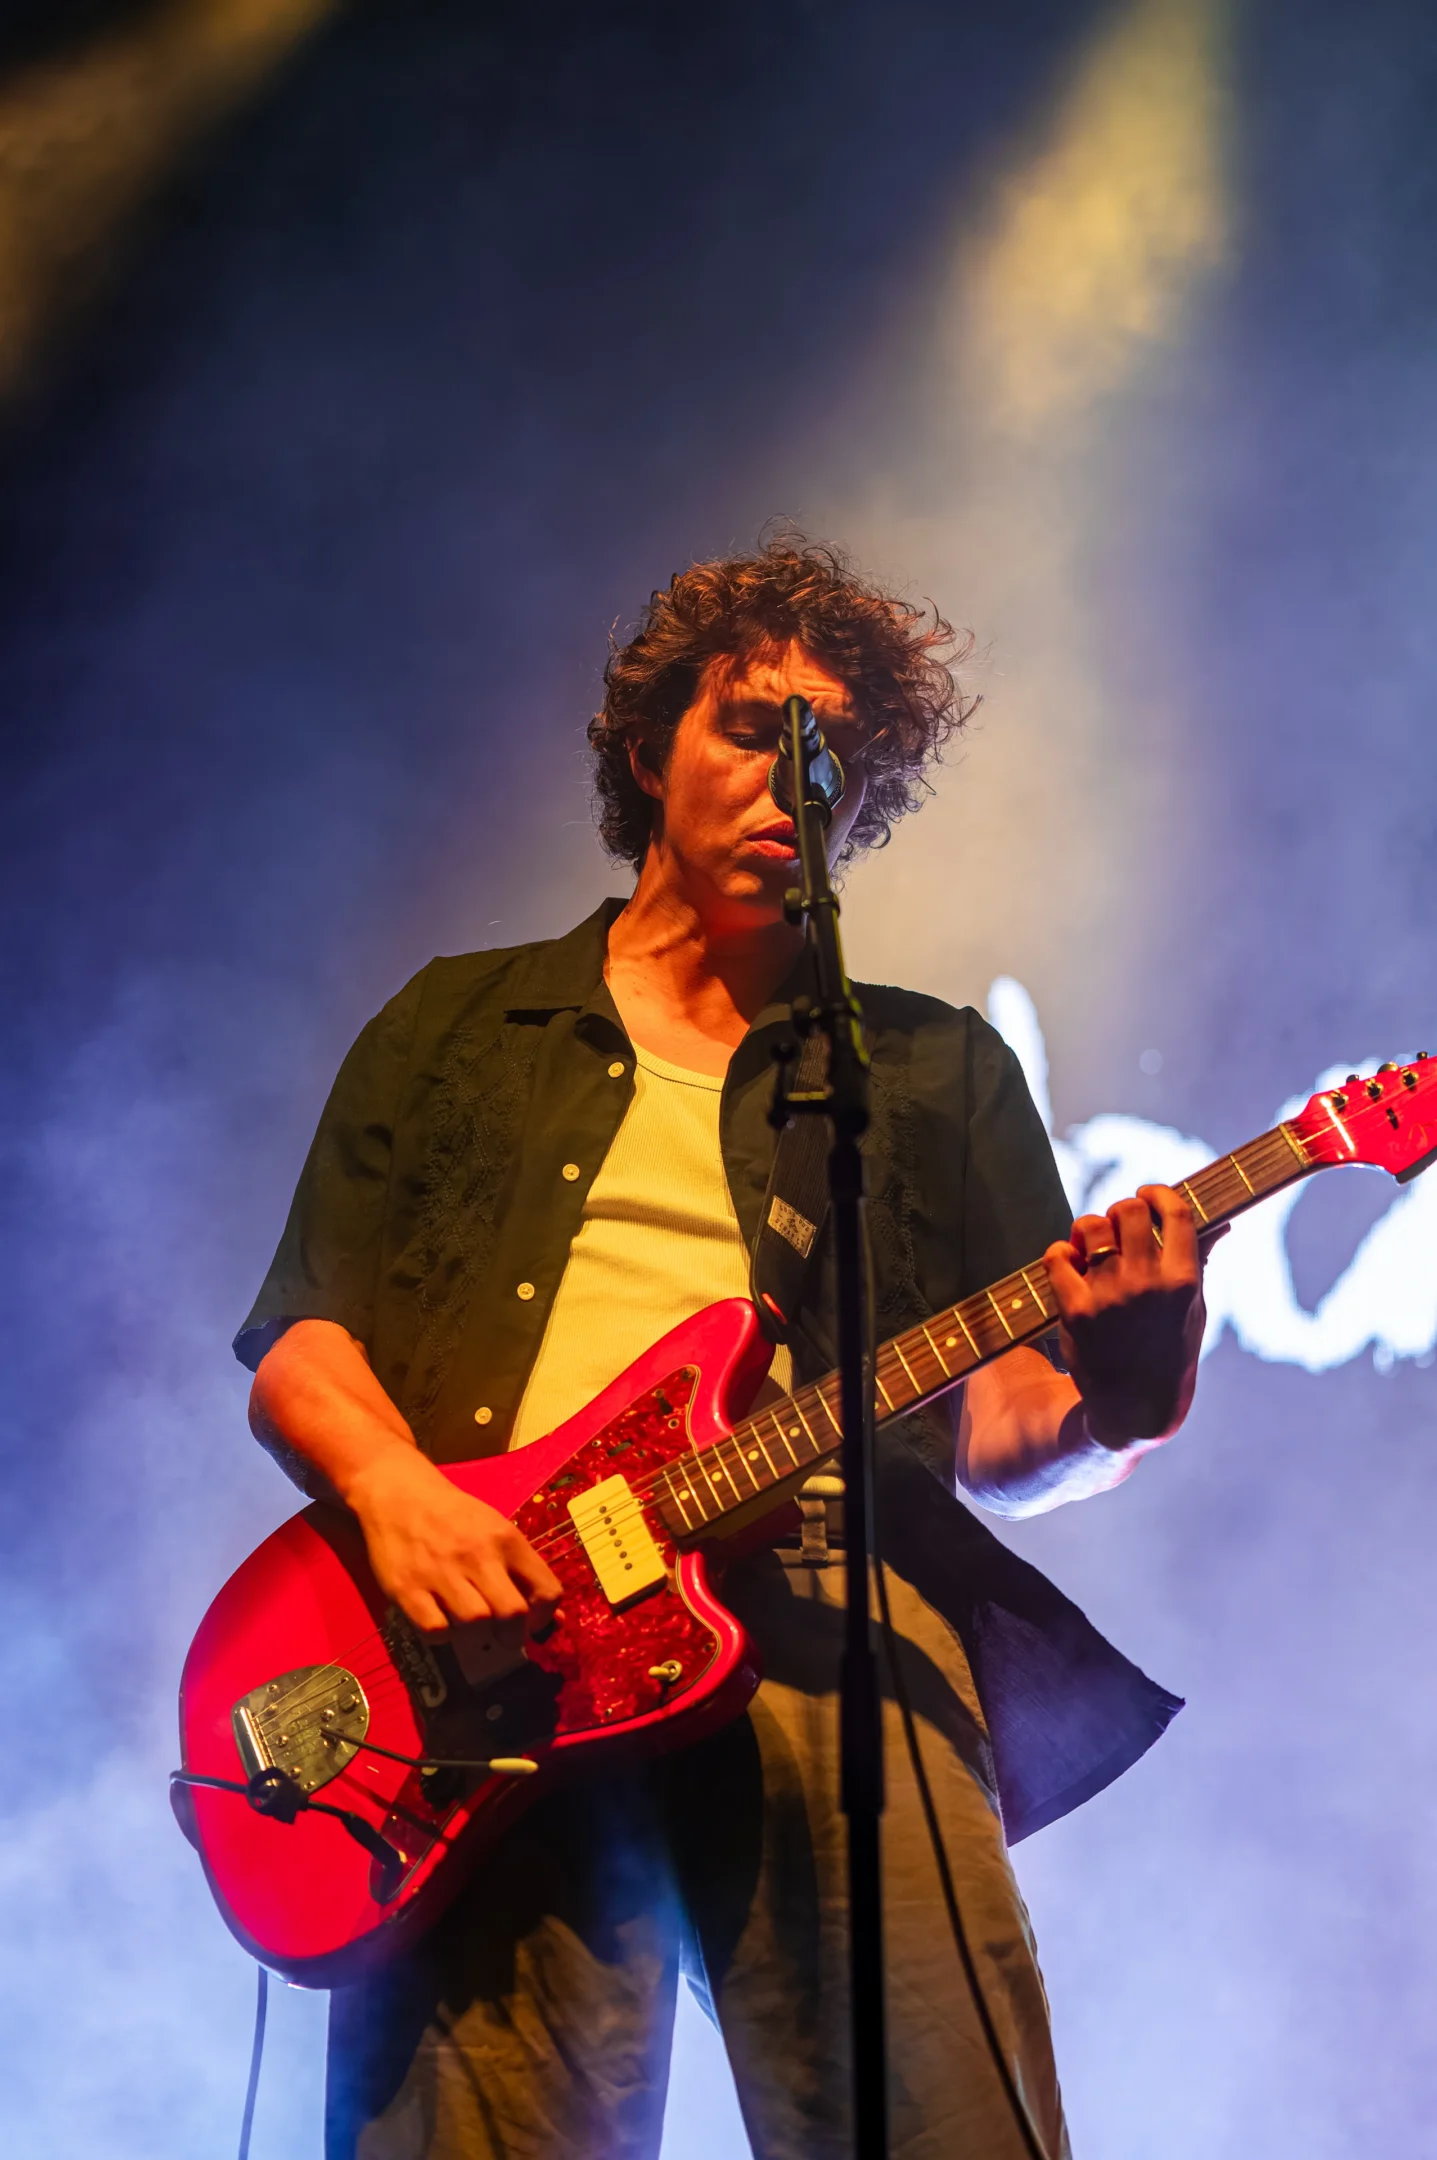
column 483, row 1414
column 616, row 1070
column 571, row 1171
column 526, row 1291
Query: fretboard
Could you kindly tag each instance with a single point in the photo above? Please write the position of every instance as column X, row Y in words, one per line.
column 780, row 1445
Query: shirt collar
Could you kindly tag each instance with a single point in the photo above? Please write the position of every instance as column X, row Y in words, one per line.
column 566, row 970
column 569, row 971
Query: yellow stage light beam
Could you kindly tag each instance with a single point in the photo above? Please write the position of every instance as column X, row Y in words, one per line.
column 1056, row 371
column 86, row 138
column 1095, row 245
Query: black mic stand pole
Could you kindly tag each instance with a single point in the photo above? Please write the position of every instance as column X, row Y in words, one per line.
column 844, row 1102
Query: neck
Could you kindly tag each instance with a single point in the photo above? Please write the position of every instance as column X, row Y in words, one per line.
column 691, row 970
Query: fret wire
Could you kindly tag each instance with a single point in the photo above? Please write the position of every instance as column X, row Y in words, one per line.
column 962, row 1323
column 1002, row 1316
column 1263, row 1162
column 900, row 1370
column 1013, row 1295
column 940, row 1363
column 1283, row 1147
column 783, row 1436
column 897, row 1348
column 717, row 1451
column 1033, row 1294
column 981, row 1321
column 1219, row 1189
column 803, row 1421
column 763, row 1444
column 675, row 1496
column 697, row 1486
column 938, row 1354
column 746, row 1465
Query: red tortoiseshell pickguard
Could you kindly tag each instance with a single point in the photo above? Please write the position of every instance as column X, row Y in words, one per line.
column 604, row 1654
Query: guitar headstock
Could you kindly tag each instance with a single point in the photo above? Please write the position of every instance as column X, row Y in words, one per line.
column 1388, row 1121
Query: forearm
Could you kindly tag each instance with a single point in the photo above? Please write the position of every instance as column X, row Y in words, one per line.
column 1024, row 1444
column 315, row 1397
column 438, row 1553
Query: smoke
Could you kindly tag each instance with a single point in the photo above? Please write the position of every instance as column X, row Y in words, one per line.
column 1108, row 327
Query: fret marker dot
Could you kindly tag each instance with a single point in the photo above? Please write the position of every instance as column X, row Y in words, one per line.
column 1017, row 1305
column 753, row 1451
column 951, row 1343
column 793, row 1432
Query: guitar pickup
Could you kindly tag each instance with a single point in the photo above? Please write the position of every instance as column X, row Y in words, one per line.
column 619, row 1544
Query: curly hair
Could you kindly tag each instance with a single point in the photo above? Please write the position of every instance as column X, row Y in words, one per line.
column 896, row 663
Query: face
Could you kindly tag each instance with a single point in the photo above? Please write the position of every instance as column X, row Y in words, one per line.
column 716, row 826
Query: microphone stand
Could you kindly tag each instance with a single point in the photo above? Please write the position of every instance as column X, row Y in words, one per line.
column 844, row 1101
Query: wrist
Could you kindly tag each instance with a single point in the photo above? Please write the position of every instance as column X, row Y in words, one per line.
column 365, row 1486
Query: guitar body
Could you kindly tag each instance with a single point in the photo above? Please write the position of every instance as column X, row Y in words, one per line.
column 301, row 1661
column 300, row 1675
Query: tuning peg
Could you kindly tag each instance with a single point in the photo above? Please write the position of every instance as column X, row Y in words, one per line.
column 1409, row 1079
column 1373, row 1090
column 1338, row 1100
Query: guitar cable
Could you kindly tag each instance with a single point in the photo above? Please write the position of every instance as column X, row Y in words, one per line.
column 273, row 1793
column 261, row 2012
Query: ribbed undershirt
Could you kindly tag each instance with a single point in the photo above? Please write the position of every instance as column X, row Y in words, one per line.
column 659, row 1240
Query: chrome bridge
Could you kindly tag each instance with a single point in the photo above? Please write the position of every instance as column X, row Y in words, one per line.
column 308, row 1723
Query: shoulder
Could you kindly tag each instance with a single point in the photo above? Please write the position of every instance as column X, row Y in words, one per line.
column 954, row 1057
column 900, row 1013
column 454, row 982
column 467, row 991
column 453, row 1001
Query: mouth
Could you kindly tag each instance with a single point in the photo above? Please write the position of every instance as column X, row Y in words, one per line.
column 776, row 842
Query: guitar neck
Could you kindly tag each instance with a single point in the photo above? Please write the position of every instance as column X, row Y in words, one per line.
column 769, row 1454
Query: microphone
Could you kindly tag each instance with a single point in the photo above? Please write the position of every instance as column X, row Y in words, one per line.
column 825, row 775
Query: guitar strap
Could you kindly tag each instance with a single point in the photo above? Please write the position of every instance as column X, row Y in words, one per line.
column 794, row 1206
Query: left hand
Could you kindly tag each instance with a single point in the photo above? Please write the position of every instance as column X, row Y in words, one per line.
column 1129, row 1288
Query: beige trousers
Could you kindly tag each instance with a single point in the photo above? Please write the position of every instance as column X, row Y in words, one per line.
column 535, row 2021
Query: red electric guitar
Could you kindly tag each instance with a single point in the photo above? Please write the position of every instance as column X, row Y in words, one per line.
column 342, row 1771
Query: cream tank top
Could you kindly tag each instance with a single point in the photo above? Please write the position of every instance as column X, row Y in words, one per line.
column 658, row 1241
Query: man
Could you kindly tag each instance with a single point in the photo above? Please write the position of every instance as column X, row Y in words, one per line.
column 535, row 1162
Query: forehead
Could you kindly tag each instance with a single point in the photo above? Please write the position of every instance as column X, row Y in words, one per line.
column 767, row 678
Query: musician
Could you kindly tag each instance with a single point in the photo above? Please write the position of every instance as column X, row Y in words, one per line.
column 533, row 1163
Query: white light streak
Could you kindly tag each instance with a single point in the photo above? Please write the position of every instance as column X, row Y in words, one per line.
column 1386, row 1297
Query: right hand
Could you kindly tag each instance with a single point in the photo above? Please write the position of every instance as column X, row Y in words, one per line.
column 441, row 1555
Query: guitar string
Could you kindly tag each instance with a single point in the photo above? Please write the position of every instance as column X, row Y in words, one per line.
column 1268, row 1151
column 1275, row 1152
column 383, row 1681
column 562, row 1539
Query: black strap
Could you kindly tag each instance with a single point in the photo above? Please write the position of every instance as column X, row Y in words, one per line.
column 794, row 1207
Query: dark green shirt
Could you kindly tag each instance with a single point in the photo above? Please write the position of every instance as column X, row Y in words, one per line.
column 433, row 1220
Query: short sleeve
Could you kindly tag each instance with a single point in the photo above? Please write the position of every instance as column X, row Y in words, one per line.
column 1013, row 1201
column 328, row 1258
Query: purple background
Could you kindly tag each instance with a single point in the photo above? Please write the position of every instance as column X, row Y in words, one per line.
column 463, row 335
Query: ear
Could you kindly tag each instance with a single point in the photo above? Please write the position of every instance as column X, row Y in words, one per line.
column 645, row 773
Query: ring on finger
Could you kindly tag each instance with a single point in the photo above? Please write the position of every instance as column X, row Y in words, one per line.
column 1104, row 1252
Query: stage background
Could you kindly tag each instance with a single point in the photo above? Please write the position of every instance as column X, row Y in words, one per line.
column 364, row 366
